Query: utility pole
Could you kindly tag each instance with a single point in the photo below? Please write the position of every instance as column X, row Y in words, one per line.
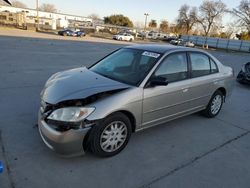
column 37, row 15
column 146, row 18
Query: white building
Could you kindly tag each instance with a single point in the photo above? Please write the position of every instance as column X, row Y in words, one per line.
column 55, row 20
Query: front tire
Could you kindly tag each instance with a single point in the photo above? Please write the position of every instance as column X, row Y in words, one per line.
column 215, row 104
column 111, row 136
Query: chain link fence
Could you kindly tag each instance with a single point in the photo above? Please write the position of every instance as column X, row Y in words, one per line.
column 227, row 44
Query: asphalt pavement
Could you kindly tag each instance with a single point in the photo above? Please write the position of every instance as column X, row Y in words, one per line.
column 193, row 151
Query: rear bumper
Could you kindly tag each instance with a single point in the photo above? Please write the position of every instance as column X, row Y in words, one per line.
column 68, row 143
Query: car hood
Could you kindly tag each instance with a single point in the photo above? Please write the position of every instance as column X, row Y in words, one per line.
column 77, row 84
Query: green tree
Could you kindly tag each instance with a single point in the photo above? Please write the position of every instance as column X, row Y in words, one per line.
column 118, row 19
column 164, row 26
column 243, row 36
column 152, row 24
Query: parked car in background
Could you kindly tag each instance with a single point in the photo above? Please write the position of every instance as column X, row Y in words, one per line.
column 189, row 44
column 69, row 32
column 124, row 37
column 244, row 74
column 186, row 43
column 168, row 39
column 131, row 89
column 141, row 35
column 176, row 41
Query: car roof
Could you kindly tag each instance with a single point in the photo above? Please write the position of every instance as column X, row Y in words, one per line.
column 160, row 48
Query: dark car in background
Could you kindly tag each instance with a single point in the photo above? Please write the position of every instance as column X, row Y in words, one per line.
column 176, row 41
column 244, row 74
column 69, row 32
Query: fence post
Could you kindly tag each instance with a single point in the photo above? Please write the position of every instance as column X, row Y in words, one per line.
column 206, row 41
column 228, row 43
column 241, row 45
column 217, row 42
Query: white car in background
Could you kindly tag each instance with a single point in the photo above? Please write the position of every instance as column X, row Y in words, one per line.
column 189, row 44
column 124, row 36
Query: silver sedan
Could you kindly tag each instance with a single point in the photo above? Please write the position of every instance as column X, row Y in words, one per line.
column 133, row 88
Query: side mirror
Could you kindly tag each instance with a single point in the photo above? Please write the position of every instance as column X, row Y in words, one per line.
column 158, row 81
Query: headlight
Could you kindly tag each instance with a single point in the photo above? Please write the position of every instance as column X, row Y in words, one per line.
column 71, row 114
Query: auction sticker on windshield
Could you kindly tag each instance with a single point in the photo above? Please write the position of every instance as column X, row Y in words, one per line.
column 151, row 54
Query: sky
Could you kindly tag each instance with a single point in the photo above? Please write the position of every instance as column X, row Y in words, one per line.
column 134, row 9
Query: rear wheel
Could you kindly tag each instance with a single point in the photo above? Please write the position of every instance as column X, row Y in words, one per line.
column 120, row 38
column 111, row 136
column 215, row 104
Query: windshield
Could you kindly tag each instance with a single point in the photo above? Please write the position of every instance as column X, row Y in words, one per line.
column 126, row 65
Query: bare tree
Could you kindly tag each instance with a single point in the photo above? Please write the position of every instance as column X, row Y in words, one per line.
column 187, row 17
column 18, row 4
column 139, row 24
column 46, row 7
column 94, row 16
column 210, row 12
column 242, row 12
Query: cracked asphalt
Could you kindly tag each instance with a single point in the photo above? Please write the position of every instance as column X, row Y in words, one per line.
column 193, row 151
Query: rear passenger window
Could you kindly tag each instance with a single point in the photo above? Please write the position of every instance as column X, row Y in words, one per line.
column 214, row 68
column 200, row 64
column 174, row 68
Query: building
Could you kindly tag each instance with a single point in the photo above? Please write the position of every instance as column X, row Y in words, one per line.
column 47, row 20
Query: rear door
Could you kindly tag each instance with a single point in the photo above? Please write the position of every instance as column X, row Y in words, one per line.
column 203, row 79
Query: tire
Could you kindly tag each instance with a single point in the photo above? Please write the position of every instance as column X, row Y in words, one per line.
column 215, row 104
column 113, row 131
column 65, row 34
column 130, row 40
column 120, row 38
column 240, row 77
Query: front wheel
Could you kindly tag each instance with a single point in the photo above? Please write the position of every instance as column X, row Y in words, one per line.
column 111, row 136
column 215, row 104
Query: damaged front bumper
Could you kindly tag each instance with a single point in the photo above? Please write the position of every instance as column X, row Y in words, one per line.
column 68, row 143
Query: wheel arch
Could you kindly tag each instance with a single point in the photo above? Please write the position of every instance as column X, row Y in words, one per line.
column 223, row 91
column 131, row 118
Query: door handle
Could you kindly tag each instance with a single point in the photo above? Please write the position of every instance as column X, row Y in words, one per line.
column 215, row 81
column 184, row 90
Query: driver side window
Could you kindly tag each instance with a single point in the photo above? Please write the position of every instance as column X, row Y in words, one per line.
column 173, row 68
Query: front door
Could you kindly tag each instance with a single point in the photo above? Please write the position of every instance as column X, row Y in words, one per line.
column 162, row 103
